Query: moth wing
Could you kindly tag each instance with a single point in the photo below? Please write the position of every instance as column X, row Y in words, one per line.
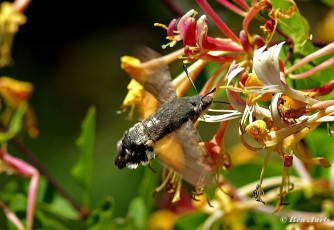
column 182, row 152
column 158, row 79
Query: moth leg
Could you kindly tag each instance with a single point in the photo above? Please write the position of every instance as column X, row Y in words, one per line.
column 164, row 183
column 150, row 167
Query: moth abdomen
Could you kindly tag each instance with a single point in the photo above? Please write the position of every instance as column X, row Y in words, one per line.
column 136, row 146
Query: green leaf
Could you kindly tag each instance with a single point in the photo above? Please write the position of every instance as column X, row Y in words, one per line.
column 9, row 190
column 138, row 213
column 45, row 223
column 82, row 171
column 148, row 183
column 101, row 218
column 325, row 149
column 15, row 124
column 328, row 2
column 61, row 208
column 18, row 205
column 296, row 27
column 255, row 220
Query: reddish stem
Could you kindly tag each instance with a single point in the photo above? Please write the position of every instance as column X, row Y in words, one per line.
column 242, row 4
column 231, row 7
column 224, row 28
column 26, row 152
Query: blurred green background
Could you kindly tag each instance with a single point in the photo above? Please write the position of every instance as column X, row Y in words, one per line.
column 71, row 52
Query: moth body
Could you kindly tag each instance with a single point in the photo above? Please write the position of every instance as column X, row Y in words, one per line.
column 137, row 145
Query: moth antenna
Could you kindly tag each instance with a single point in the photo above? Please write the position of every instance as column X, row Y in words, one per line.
column 213, row 90
column 187, row 73
column 222, row 102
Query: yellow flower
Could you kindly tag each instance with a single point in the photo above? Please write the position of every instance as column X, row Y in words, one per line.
column 10, row 20
column 14, row 92
column 133, row 67
column 134, row 95
column 257, row 129
column 253, row 80
column 137, row 95
column 162, row 219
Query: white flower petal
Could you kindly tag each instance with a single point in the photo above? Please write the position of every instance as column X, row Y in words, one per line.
column 266, row 65
column 276, row 116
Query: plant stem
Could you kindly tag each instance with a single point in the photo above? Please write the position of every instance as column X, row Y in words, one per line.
column 35, row 162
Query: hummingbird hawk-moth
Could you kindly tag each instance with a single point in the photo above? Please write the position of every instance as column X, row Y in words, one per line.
column 168, row 134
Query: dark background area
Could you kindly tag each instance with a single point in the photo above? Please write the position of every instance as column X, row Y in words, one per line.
column 70, row 51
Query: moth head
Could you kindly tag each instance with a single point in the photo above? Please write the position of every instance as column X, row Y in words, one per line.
column 205, row 101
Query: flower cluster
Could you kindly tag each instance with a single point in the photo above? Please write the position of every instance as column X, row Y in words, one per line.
column 256, row 73
column 15, row 111
column 10, row 20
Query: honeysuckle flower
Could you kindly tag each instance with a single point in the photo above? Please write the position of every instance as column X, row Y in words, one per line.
column 12, row 217
column 224, row 28
column 217, row 150
column 137, row 96
column 274, row 15
column 197, row 43
column 176, row 29
column 266, row 66
column 291, row 144
column 14, row 92
column 172, row 182
column 248, row 108
column 287, row 113
column 253, row 11
column 10, row 20
column 284, row 140
column 14, row 165
column 258, row 88
column 168, row 213
column 328, row 49
column 234, row 8
column 322, row 90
